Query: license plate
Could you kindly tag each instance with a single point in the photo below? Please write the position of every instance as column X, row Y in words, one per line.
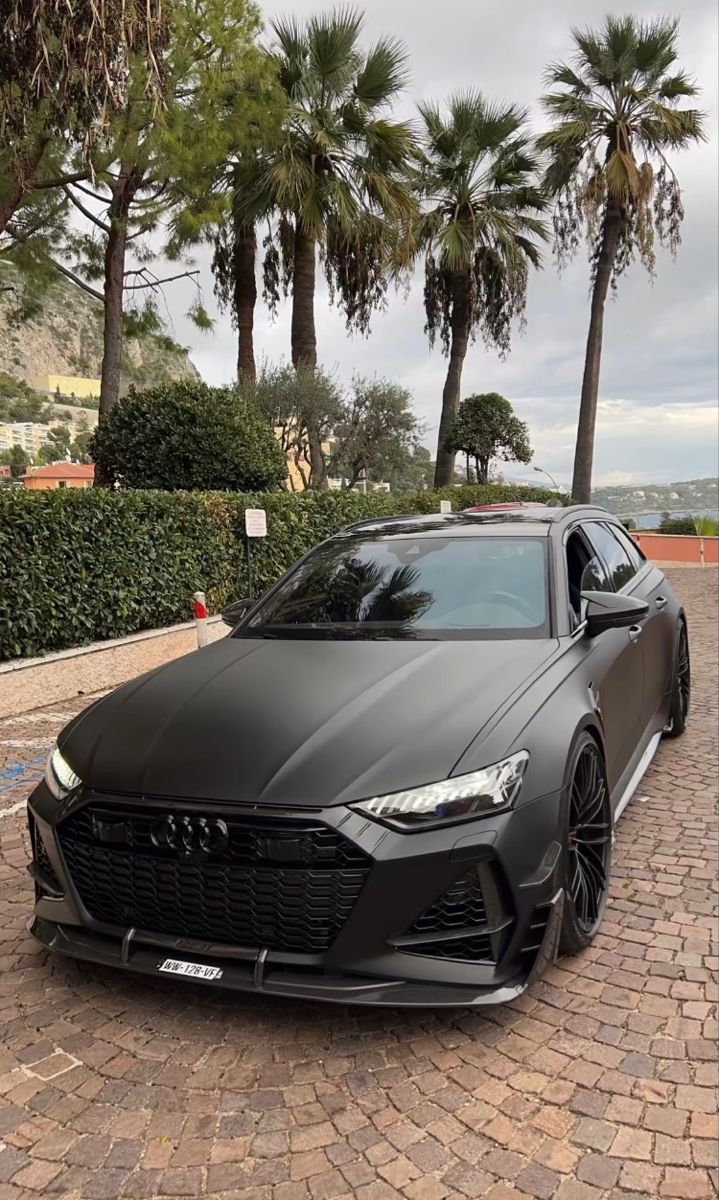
column 175, row 966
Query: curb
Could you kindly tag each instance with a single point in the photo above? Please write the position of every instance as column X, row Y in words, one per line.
column 22, row 664
column 31, row 683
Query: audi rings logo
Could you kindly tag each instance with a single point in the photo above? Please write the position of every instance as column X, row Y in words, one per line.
column 191, row 835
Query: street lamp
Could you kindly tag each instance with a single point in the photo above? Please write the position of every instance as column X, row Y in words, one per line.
column 549, row 477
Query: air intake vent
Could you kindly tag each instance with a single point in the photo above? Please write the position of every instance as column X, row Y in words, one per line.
column 46, row 880
column 454, row 927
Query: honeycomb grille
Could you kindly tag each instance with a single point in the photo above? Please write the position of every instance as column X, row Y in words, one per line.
column 41, row 860
column 460, row 907
column 236, row 897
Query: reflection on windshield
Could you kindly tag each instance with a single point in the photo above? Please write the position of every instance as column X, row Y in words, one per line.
column 410, row 587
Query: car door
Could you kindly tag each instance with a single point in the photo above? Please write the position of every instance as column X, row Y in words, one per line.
column 614, row 660
column 650, row 584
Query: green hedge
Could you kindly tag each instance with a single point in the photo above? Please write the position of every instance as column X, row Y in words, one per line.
column 80, row 566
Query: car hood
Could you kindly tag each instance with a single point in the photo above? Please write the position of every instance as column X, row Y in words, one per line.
column 298, row 723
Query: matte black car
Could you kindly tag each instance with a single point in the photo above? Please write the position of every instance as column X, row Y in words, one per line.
column 394, row 782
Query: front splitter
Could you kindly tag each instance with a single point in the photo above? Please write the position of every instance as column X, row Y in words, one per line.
column 243, row 976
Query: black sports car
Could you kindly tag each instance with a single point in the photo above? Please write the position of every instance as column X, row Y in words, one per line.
column 395, row 782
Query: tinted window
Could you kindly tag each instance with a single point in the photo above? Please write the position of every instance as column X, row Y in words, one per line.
column 631, row 547
column 619, row 565
column 584, row 573
column 411, row 587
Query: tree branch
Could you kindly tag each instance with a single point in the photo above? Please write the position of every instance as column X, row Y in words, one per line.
column 155, row 283
column 91, row 291
column 89, row 192
column 86, row 211
column 58, row 181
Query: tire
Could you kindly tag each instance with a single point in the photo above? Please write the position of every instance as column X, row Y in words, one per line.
column 587, row 848
column 680, row 704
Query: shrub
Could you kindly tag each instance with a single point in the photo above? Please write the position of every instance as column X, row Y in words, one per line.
column 677, row 525
column 706, row 526
column 79, row 566
column 187, row 436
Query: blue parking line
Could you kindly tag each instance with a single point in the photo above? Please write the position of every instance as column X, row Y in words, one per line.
column 19, row 773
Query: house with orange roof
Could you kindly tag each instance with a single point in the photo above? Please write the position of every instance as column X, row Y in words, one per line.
column 59, row 475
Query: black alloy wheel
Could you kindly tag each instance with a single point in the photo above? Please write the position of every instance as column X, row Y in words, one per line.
column 588, row 849
column 682, row 687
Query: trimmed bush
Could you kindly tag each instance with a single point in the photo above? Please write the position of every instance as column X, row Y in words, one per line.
column 81, row 566
column 188, row 436
column 683, row 526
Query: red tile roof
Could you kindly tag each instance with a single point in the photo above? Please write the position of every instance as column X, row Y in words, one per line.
column 61, row 470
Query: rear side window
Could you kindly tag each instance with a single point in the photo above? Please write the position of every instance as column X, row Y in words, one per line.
column 631, row 547
column 619, row 565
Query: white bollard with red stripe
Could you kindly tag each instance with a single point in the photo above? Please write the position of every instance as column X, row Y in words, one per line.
column 199, row 608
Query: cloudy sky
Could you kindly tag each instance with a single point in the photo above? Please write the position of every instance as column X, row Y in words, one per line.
column 658, row 396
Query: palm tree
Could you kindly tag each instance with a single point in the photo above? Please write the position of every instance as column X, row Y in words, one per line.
column 234, row 269
column 339, row 167
column 616, row 114
column 479, row 231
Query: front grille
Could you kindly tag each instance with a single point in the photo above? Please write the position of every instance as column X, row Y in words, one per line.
column 460, row 907
column 274, row 884
column 455, row 925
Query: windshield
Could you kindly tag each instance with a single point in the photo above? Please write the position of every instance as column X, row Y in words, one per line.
column 410, row 587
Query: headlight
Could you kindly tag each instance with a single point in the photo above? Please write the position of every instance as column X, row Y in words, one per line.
column 59, row 776
column 477, row 794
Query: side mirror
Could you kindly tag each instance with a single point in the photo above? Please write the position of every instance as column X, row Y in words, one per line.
column 233, row 613
column 608, row 610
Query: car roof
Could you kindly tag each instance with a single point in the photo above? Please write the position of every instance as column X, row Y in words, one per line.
column 518, row 520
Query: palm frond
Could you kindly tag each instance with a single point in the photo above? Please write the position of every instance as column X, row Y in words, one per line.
column 674, row 87
column 383, row 74
column 332, row 46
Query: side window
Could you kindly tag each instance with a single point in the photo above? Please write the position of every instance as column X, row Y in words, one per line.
column 619, row 565
column 584, row 573
column 636, row 557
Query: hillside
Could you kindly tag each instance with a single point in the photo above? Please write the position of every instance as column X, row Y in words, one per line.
column 691, row 496
column 64, row 337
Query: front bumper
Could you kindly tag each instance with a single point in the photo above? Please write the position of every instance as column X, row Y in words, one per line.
column 387, row 951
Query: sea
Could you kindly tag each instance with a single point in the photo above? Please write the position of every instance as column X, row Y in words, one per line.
column 652, row 520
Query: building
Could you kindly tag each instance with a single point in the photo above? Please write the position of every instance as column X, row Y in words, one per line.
column 294, row 474
column 29, row 435
column 67, row 385
column 59, row 475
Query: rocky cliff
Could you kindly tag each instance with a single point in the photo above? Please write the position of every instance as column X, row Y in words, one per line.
column 62, row 335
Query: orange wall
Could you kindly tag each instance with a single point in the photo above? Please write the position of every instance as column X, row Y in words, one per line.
column 676, row 548
column 41, row 485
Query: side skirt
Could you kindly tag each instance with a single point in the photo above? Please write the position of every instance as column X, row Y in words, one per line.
column 640, row 770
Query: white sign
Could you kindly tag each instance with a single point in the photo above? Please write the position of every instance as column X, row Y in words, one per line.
column 445, row 506
column 255, row 522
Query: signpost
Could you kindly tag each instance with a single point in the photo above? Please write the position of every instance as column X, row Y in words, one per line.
column 445, row 506
column 255, row 527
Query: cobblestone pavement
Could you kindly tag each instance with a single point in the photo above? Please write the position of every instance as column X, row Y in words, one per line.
column 597, row 1085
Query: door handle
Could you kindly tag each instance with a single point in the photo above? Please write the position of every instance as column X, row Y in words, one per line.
column 635, row 632
column 661, row 602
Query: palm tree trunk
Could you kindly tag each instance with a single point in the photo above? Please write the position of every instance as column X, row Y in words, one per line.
column 123, row 192
column 444, row 469
column 245, row 298
column 584, row 451
column 304, row 338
